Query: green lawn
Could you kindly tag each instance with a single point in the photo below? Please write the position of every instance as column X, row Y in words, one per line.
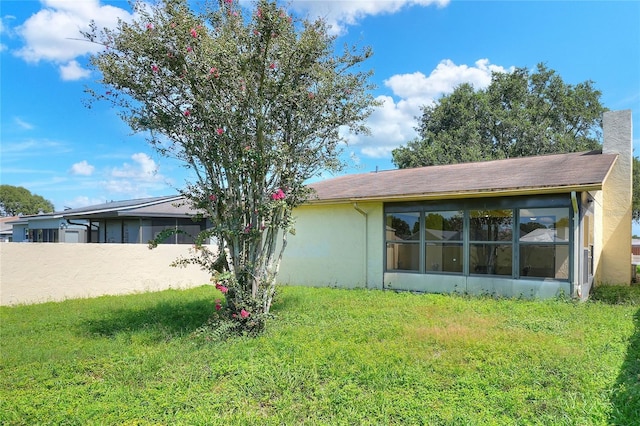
column 330, row 357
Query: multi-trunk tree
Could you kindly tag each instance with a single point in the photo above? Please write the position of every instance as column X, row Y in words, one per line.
column 255, row 103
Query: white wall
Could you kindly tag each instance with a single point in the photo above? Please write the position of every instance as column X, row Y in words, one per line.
column 40, row 272
column 335, row 245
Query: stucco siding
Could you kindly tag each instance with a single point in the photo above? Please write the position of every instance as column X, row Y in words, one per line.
column 615, row 264
column 335, row 245
column 41, row 272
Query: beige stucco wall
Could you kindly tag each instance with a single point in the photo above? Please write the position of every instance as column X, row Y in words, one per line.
column 40, row 272
column 335, row 245
column 614, row 265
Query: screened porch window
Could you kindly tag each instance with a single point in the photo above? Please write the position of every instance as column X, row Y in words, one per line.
column 443, row 234
column 519, row 237
column 490, row 247
column 544, row 243
column 403, row 241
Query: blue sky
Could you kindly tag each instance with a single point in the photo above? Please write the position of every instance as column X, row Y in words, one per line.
column 55, row 146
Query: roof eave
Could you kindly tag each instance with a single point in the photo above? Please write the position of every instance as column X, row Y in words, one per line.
column 463, row 194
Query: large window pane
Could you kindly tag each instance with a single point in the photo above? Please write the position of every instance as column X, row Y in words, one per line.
column 544, row 261
column 191, row 229
column 403, row 226
column 490, row 259
column 444, row 226
column 544, row 225
column 490, row 225
column 445, row 257
column 403, row 256
column 159, row 225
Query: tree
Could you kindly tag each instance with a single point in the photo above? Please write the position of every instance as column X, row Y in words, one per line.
column 519, row 114
column 15, row 200
column 254, row 105
column 635, row 208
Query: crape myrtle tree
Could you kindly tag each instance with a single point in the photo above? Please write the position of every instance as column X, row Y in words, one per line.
column 254, row 103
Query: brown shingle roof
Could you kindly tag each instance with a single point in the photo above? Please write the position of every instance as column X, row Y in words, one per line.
column 548, row 173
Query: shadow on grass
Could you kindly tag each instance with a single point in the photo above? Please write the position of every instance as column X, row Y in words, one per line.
column 164, row 320
column 626, row 394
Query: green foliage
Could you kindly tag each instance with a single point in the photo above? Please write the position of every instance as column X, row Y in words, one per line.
column 635, row 208
column 617, row 294
column 15, row 200
column 519, row 114
column 329, row 357
column 253, row 105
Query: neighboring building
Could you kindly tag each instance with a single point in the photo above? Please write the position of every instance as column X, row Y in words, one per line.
column 6, row 228
column 130, row 221
column 522, row 227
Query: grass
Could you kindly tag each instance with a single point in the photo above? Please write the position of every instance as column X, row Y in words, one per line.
column 330, row 357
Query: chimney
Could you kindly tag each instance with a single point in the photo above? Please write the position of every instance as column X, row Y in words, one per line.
column 615, row 262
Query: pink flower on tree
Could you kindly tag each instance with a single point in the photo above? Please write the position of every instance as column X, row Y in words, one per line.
column 154, row 68
column 272, row 66
column 149, row 26
column 212, row 197
column 218, row 305
column 189, row 48
column 193, row 33
column 187, row 113
column 228, row 1
column 278, row 195
column 222, row 288
column 244, row 314
column 219, row 130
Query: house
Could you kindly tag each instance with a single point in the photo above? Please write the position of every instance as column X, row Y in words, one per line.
column 522, row 227
column 130, row 221
column 6, row 228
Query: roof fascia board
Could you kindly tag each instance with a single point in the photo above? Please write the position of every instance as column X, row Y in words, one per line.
column 120, row 209
column 465, row 194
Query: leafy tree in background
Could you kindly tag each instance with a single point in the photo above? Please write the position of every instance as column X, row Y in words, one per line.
column 635, row 208
column 15, row 200
column 254, row 106
column 519, row 114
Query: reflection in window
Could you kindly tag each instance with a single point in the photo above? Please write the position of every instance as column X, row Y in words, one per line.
column 403, row 238
column 490, row 232
column 490, row 259
column 403, row 257
column 445, row 257
column 403, row 226
column 490, row 225
column 544, row 261
column 544, row 243
column 443, row 232
column 444, row 226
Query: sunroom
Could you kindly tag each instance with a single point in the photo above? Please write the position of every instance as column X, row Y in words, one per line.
column 509, row 245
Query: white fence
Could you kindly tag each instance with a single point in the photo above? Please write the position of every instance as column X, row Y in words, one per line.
column 41, row 272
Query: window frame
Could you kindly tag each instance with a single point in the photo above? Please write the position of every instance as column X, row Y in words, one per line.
column 514, row 203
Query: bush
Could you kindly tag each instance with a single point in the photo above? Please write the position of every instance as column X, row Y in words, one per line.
column 617, row 294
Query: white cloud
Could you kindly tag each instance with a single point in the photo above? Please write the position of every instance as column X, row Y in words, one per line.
column 23, row 124
column 340, row 13
column 73, row 71
column 81, row 201
column 392, row 124
column 53, row 33
column 137, row 179
column 82, row 168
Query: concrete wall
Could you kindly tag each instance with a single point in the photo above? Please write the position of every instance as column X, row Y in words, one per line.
column 615, row 260
column 336, row 245
column 41, row 272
